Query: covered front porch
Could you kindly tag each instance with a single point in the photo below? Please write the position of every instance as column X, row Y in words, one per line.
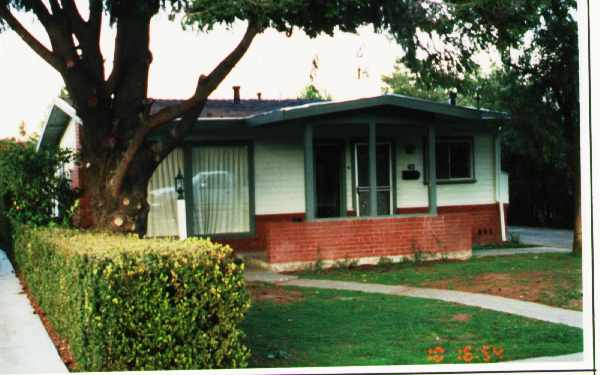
column 390, row 176
column 371, row 181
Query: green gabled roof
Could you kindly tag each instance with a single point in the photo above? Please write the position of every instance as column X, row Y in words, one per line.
column 61, row 113
column 393, row 100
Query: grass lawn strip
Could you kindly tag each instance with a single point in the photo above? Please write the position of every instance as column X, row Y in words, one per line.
column 504, row 245
column 551, row 279
column 318, row 327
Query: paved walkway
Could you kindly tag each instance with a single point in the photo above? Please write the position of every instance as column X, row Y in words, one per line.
column 24, row 344
column 523, row 250
column 561, row 238
column 486, row 301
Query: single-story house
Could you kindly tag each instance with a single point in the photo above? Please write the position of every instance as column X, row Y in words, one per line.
column 295, row 182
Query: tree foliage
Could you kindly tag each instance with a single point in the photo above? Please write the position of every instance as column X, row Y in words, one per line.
column 311, row 92
column 537, row 80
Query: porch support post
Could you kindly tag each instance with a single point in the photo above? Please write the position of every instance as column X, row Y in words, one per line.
column 372, row 169
column 309, row 173
column 431, row 169
column 181, row 219
column 497, row 178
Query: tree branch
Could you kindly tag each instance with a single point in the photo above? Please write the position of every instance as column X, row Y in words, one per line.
column 30, row 40
column 206, row 85
column 40, row 11
column 95, row 18
column 56, row 9
column 126, row 160
column 77, row 23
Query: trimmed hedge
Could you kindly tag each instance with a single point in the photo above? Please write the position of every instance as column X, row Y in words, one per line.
column 125, row 303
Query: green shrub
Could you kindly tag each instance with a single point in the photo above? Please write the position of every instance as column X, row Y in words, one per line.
column 30, row 182
column 385, row 262
column 125, row 303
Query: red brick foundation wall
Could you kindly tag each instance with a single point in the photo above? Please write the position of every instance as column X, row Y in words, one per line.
column 354, row 238
column 486, row 220
column 257, row 243
column 484, row 224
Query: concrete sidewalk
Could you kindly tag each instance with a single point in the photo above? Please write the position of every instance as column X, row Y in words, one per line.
column 560, row 238
column 24, row 344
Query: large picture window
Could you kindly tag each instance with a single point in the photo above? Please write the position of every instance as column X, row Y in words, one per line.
column 162, row 197
column 220, row 194
column 454, row 160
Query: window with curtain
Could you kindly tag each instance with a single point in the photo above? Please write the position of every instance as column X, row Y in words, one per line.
column 454, row 159
column 162, row 197
column 220, row 189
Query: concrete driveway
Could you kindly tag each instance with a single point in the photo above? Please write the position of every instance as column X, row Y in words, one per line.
column 560, row 238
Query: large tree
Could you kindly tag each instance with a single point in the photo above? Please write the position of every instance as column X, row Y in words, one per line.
column 537, row 45
column 117, row 156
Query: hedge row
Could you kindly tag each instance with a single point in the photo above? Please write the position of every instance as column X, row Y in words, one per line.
column 125, row 303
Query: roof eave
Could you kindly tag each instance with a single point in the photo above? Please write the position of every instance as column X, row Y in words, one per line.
column 325, row 108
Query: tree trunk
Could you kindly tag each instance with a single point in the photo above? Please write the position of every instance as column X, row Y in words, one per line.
column 125, row 210
column 577, row 245
column 575, row 171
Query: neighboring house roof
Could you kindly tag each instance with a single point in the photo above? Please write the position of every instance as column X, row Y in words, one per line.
column 255, row 112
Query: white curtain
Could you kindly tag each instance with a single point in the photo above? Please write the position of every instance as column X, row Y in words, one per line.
column 220, row 189
column 162, row 197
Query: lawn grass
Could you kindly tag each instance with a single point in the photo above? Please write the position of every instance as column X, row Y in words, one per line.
column 504, row 245
column 343, row 328
column 556, row 277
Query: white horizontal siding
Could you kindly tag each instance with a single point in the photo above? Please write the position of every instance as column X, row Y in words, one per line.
column 279, row 177
column 68, row 141
column 413, row 193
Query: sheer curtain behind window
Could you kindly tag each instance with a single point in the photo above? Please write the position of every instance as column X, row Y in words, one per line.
column 220, row 189
column 162, row 197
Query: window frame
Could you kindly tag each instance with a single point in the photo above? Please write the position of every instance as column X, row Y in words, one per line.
column 188, row 187
column 451, row 180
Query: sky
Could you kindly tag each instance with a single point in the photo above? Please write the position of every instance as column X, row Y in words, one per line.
column 275, row 65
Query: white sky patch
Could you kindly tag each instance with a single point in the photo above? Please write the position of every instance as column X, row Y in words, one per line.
column 275, row 65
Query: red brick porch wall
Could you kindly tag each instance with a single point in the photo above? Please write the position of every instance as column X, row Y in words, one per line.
column 355, row 238
column 484, row 224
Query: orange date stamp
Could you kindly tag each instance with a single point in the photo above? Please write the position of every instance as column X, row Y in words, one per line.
column 466, row 354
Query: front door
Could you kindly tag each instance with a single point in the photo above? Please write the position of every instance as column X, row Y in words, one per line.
column 328, row 163
column 384, row 178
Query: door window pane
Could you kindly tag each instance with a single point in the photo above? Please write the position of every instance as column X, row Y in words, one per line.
column 383, row 202
column 383, row 152
column 220, row 190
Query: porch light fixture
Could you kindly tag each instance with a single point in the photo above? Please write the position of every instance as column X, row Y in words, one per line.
column 179, row 185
